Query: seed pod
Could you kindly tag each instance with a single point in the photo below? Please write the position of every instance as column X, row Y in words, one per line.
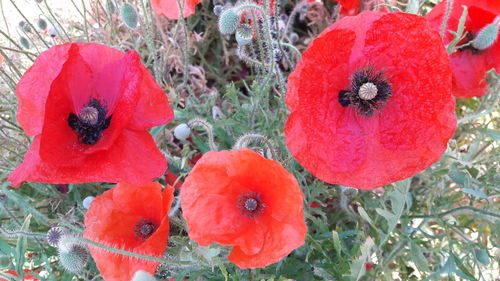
column 244, row 34
column 228, row 22
column 218, row 10
column 129, row 16
column 54, row 235
column 24, row 26
column 87, row 201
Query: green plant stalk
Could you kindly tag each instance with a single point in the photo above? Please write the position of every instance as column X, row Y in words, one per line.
column 449, row 5
column 124, row 252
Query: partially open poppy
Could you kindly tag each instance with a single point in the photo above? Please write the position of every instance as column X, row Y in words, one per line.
column 241, row 199
column 349, row 7
column 469, row 64
column 89, row 107
column 132, row 218
column 371, row 101
column 170, row 8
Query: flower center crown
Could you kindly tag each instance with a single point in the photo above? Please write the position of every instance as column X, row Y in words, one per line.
column 90, row 122
column 368, row 92
column 144, row 229
column 250, row 204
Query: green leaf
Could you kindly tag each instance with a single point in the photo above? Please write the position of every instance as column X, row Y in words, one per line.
column 482, row 256
column 358, row 266
column 418, row 257
column 21, row 247
column 336, row 242
column 493, row 134
column 365, row 216
column 473, row 192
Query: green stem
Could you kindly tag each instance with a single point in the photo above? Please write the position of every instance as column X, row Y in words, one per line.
column 459, row 210
column 124, row 252
column 449, row 5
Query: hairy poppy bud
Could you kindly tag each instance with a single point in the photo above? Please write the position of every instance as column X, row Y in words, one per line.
column 129, row 16
column 110, row 7
column 143, row 276
column 41, row 24
column 228, row 21
column 486, row 37
column 182, row 131
column 74, row 258
column 24, row 42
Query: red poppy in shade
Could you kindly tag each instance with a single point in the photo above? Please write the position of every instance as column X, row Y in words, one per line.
column 89, row 107
column 170, row 8
column 349, row 7
column 371, row 101
column 26, row 277
column 131, row 218
column 248, row 202
column 468, row 64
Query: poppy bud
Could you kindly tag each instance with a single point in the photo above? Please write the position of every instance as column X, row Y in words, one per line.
column 486, row 37
column 3, row 198
column 294, row 37
column 182, row 131
column 73, row 258
column 87, row 201
column 218, row 10
column 244, row 34
column 24, row 42
column 41, row 24
column 129, row 16
column 228, row 22
column 52, row 31
column 143, row 276
column 110, row 7
column 24, row 26
column 482, row 256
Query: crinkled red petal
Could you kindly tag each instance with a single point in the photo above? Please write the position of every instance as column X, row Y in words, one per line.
column 410, row 133
column 111, row 165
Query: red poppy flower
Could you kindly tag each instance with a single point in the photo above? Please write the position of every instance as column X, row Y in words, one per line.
column 469, row 65
column 371, row 101
column 89, row 107
column 249, row 202
column 349, row 7
column 170, row 8
column 132, row 218
column 26, row 277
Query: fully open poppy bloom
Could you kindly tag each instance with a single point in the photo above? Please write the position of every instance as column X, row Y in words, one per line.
column 170, row 8
column 371, row 101
column 131, row 218
column 468, row 64
column 89, row 107
column 241, row 199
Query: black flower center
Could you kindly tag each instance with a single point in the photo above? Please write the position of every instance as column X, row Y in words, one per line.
column 144, row 229
column 90, row 122
column 250, row 204
column 368, row 92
